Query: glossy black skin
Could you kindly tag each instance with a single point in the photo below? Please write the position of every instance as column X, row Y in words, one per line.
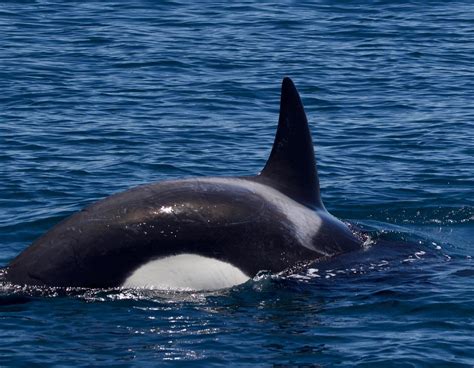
column 101, row 245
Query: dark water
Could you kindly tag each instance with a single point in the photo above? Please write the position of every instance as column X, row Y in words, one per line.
column 101, row 96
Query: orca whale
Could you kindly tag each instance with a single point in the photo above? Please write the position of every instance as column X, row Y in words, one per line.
column 202, row 233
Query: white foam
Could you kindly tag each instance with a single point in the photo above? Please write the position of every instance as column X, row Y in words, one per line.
column 190, row 272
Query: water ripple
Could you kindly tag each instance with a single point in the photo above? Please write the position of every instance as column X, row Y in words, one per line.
column 101, row 96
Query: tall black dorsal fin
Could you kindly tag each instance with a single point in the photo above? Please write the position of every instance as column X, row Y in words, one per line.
column 291, row 167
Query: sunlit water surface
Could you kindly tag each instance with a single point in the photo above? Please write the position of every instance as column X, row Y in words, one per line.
column 101, row 96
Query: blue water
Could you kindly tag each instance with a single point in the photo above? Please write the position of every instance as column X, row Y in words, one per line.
column 101, row 96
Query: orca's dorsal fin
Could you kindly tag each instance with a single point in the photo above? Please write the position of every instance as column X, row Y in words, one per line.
column 291, row 167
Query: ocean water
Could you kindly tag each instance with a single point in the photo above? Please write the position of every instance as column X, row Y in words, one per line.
column 100, row 96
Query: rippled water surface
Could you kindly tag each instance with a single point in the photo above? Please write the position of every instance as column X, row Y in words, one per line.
column 101, row 96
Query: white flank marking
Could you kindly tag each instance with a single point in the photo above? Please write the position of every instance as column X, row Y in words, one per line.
column 185, row 272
